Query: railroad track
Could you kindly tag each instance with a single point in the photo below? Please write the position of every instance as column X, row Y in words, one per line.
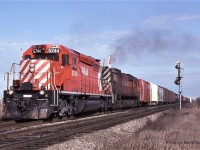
column 9, row 125
column 30, row 127
column 5, row 123
column 44, row 136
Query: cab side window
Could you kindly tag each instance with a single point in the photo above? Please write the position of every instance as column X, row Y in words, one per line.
column 65, row 59
column 54, row 57
column 74, row 62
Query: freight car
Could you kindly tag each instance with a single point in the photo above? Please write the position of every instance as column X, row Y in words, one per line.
column 185, row 99
column 160, row 95
column 56, row 80
column 169, row 96
column 144, row 91
column 153, row 94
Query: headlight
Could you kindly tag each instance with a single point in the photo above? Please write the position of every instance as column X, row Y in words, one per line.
column 31, row 65
column 32, row 69
column 41, row 92
column 10, row 92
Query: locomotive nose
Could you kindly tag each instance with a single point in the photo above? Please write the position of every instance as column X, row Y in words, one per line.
column 37, row 72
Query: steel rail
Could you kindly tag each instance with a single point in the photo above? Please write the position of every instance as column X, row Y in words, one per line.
column 65, row 131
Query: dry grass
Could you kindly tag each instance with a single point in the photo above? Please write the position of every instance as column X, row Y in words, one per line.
column 176, row 130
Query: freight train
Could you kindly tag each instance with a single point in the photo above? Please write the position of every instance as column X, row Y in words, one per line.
column 56, row 80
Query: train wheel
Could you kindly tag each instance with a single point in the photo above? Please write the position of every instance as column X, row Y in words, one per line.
column 66, row 109
column 69, row 110
column 59, row 115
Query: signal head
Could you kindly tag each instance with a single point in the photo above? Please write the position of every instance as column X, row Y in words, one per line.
column 178, row 81
column 178, row 65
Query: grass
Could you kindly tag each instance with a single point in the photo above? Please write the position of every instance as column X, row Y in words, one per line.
column 176, row 130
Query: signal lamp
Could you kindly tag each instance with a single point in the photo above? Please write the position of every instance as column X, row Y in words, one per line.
column 178, row 81
column 178, row 65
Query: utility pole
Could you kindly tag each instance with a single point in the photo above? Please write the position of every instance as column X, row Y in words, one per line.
column 178, row 81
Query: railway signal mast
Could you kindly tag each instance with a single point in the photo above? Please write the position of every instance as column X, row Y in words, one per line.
column 178, row 80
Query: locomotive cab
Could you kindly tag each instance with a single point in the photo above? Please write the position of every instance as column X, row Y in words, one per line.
column 45, row 65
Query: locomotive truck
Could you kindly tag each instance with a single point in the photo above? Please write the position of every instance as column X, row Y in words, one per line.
column 56, row 80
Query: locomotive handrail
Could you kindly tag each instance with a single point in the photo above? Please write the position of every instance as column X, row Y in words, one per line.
column 12, row 69
column 8, row 76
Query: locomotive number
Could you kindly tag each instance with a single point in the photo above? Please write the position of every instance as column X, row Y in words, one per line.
column 37, row 50
column 84, row 71
column 53, row 50
column 74, row 73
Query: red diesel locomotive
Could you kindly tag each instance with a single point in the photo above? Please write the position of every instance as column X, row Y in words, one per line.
column 54, row 79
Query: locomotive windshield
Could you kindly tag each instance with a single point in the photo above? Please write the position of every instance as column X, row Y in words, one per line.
column 54, row 57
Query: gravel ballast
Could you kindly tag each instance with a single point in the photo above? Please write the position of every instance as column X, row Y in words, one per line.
column 103, row 138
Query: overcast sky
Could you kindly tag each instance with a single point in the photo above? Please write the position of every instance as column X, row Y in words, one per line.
column 146, row 38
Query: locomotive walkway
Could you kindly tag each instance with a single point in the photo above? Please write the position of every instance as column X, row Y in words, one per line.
column 43, row 136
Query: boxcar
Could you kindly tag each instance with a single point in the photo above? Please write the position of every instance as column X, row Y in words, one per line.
column 160, row 95
column 169, row 96
column 144, row 91
column 153, row 94
column 172, row 97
